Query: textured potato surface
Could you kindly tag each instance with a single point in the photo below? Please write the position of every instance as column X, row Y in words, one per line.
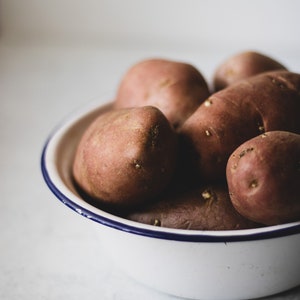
column 243, row 65
column 126, row 156
column 263, row 176
column 171, row 154
column 266, row 102
column 176, row 88
column 203, row 208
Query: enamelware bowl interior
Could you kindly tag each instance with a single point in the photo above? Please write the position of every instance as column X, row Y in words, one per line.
column 56, row 164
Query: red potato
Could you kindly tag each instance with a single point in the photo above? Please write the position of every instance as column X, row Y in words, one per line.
column 126, row 156
column 176, row 88
column 127, row 160
column 263, row 176
column 202, row 208
column 241, row 66
column 266, row 102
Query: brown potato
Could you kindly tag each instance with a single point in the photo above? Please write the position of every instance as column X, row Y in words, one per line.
column 265, row 102
column 263, row 177
column 175, row 88
column 203, row 208
column 242, row 66
column 126, row 156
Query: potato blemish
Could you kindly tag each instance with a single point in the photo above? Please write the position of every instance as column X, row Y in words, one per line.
column 153, row 136
column 156, row 222
column 206, row 195
column 253, row 183
column 209, row 197
column 208, row 133
column 234, row 167
column 244, row 152
column 165, row 82
column 278, row 83
column 208, row 102
column 261, row 128
column 137, row 164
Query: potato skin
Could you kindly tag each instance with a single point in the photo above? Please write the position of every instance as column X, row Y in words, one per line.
column 265, row 102
column 176, row 88
column 263, row 176
column 126, row 156
column 241, row 66
column 203, row 208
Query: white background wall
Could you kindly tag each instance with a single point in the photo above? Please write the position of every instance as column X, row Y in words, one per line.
column 270, row 25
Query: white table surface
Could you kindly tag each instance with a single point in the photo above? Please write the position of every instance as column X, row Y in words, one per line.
column 46, row 250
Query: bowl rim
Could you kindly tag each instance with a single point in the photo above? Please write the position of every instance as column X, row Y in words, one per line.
column 77, row 204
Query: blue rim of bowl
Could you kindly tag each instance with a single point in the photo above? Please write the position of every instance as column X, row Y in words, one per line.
column 128, row 226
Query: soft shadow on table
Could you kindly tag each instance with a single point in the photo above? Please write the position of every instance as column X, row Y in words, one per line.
column 293, row 294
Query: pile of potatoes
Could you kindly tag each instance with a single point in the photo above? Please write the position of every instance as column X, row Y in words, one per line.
column 173, row 152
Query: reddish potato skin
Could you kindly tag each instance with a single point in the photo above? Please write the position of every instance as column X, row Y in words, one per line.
column 241, row 66
column 176, row 88
column 202, row 208
column 265, row 102
column 263, row 176
column 126, row 156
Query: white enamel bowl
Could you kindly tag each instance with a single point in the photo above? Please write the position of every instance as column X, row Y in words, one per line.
column 241, row 264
